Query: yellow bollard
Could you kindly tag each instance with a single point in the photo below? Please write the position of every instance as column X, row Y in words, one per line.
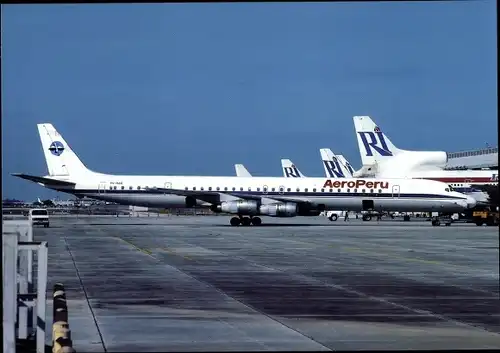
column 62, row 338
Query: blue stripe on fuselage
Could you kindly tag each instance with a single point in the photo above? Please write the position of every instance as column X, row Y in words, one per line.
column 268, row 194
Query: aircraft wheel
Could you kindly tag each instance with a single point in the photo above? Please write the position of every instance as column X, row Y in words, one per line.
column 246, row 221
column 256, row 221
column 367, row 217
column 235, row 221
column 333, row 217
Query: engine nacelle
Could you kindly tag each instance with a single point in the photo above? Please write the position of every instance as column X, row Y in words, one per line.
column 287, row 209
column 243, row 207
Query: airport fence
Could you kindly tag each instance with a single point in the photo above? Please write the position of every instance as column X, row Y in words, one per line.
column 24, row 300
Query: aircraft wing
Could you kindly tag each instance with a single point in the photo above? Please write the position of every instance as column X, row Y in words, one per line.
column 43, row 180
column 214, row 196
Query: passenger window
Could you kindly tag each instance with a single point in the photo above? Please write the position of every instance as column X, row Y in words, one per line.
column 249, row 189
column 258, row 189
column 209, row 188
column 371, row 191
column 186, row 188
column 138, row 188
column 110, row 188
column 272, row 189
column 331, row 190
column 114, row 187
column 123, row 187
column 355, row 190
column 234, row 189
column 217, row 188
column 288, row 189
column 241, row 189
column 314, row 190
column 225, row 188
column 130, row 187
column 305, row 190
column 281, row 189
column 201, row 188
column 363, row 191
column 194, row 187
column 322, row 190
column 348, row 190
column 339, row 190
column 379, row 191
column 298, row 189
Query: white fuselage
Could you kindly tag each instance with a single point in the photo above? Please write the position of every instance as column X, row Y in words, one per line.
column 329, row 194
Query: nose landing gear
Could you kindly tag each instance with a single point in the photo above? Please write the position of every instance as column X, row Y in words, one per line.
column 245, row 221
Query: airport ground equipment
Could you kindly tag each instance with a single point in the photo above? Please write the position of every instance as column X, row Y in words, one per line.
column 437, row 220
column 61, row 333
column 490, row 218
column 20, row 294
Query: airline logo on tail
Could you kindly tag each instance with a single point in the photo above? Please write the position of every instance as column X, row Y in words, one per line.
column 376, row 142
column 56, row 148
column 333, row 168
column 349, row 167
column 291, row 172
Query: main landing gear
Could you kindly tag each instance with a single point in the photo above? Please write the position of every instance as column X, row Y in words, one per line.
column 245, row 221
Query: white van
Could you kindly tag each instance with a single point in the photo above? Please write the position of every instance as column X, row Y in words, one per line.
column 39, row 216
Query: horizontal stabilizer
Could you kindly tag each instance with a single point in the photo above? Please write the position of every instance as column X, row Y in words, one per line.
column 43, row 180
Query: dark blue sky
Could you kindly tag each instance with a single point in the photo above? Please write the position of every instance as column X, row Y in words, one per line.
column 194, row 88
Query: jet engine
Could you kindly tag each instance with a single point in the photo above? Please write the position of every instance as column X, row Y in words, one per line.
column 287, row 209
column 243, row 207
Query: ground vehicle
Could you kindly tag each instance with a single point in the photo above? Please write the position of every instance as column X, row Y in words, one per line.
column 39, row 216
column 333, row 215
column 490, row 218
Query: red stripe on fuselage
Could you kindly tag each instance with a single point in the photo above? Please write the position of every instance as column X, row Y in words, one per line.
column 463, row 180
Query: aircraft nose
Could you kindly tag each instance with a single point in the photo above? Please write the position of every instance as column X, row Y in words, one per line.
column 471, row 202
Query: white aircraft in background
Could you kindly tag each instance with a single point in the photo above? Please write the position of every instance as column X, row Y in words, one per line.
column 241, row 171
column 290, row 170
column 381, row 159
column 246, row 197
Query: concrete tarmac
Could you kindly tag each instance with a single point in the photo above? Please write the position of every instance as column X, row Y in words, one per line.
column 195, row 284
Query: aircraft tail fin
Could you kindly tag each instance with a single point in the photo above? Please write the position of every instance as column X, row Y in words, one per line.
column 241, row 171
column 347, row 165
column 290, row 170
column 60, row 158
column 374, row 145
column 334, row 168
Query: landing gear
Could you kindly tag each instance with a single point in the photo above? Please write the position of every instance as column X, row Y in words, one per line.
column 367, row 217
column 245, row 221
column 235, row 221
column 256, row 221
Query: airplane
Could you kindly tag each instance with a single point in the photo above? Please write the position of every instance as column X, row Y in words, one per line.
column 241, row 171
column 290, row 170
column 247, row 197
column 334, row 166
column 381, row 159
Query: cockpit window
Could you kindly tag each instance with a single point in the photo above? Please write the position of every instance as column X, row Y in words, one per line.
column 450, row 188
column 447, row 190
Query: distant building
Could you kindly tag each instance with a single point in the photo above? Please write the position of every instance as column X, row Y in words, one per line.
column 474, row 159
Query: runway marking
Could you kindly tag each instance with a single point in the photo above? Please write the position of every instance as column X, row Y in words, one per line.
column 145, row 251
column 172, row 252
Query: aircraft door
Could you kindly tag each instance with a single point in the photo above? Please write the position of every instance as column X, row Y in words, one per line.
column 281, row 189
column 101, row 189
column 167, row 185
column 395, row 191
column 264, row 189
